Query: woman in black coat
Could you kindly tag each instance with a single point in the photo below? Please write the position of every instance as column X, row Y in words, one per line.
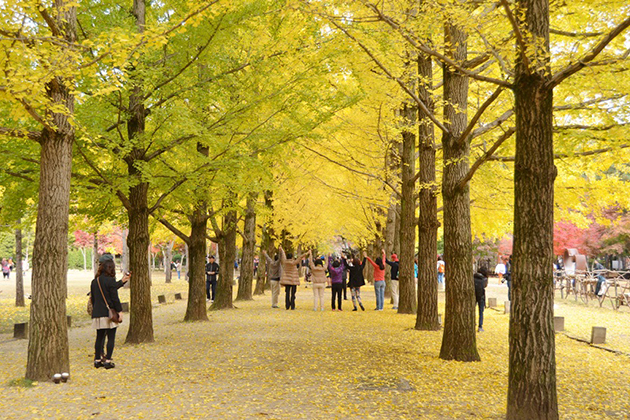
column 356, row 281
column 481, row 282
column 104, row 293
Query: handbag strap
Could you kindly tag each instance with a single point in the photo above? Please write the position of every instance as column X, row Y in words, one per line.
column 102, row 294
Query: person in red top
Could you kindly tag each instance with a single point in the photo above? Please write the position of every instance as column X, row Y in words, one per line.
column 379, row 279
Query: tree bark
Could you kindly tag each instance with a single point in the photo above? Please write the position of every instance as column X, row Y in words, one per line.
column 532, row 368
column 125, row 251
column 19, row 274
column 138, row 240
column 48, row 351
column 427, row 318
column 140, row 315
column 95, row 253
column 390, row 231
column 196, row 308
column 227, row 255
column 407, row 302
column 459, row 339
column 246, row 278
column 168, row 259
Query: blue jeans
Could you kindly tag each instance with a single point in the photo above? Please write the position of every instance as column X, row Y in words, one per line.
column 482, row 305
column 440, row 278
column 379, row 289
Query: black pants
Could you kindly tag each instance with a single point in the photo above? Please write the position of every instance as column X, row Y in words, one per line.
column 336, row 293
column 211, row 286
column 344, row 285
column 290, row 296
column 100, row 343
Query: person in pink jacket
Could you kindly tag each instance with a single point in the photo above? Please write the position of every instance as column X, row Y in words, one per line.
column 379, row 279
column 318, row 272
column 290, row 277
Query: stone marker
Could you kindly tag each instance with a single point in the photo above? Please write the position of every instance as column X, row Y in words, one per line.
column 125, row 306
column 162, row 299
column 492, row 302
column 558, row 323
column 20, row 330
column 598, row 335
column 69, row 319
column 178, row 296
column 506, row 307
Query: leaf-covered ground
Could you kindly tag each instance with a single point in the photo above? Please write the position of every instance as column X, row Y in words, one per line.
column 258, row 362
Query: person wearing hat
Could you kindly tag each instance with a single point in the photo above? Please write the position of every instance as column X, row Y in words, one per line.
column 394, row 264
column 104, row 295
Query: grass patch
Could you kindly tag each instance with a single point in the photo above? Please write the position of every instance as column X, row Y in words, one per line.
column 22, row 383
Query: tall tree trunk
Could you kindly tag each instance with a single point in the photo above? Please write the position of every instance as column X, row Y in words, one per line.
column 262, row 263
column 390, row 231
column 168, row 259
column 48, row 351
column 427, row 318
column 227, row 256
column 19, row 273
column 125, row 251
column 185, row 258
column 397, row 231
column 249, row 248
column 459, row 339
column 407, row 284
column 140, row 315
column 196, row 308
column 532, row 369
column 266, row 243
column 95, row 253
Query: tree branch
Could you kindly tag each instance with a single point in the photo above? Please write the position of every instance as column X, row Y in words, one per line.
column 462, row 138
column 590, row 56
column 369, row 175
column 169, row 146
column 23, row 134
column 485, row 157
column 183, row 69
column 172, row 228
column 401, row 83
column 428, row 51
column 566, row 155
column 575, row 34
column 519, row 36
column 52, row 25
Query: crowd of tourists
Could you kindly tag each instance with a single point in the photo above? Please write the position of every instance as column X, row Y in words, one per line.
column 337, row 272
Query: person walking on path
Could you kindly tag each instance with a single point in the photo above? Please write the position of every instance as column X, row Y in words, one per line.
column 394, row 264
column 290, row 277
column 441, row 268
column 274, row 270
column 337, row 269
column 104, row 295
column 379, row 279
column 318, row 272
column 481, row 282
column 356, row 281
column 212, row 271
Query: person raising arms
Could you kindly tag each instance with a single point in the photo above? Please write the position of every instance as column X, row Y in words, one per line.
column 356, row 281
column 379, row 279
column 290, row 277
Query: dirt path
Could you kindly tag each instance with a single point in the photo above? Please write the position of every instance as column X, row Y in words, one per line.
column 258, row 362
